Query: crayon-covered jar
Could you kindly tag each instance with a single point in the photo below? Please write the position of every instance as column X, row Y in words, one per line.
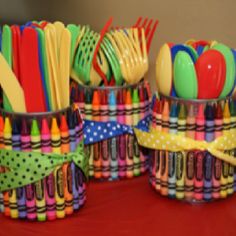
column 110, row 115
column 43, row 166
column 191, row 147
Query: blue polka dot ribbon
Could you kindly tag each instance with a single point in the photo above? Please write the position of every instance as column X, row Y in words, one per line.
column 23, row 168
column 95, row 131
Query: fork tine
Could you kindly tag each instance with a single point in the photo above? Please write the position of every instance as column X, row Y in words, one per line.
column 149, row 39
column 144, row 22
column 147, row 30
column 138, row 22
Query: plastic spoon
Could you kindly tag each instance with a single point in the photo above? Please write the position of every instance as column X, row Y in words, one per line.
column 179, row 47
column 185, row 78
column 230, row 68
column 211, row 73
column 164, row 70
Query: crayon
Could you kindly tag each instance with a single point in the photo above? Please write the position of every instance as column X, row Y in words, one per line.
column 199, row 158
column 208, row 159
column 136, row 111
column 7, row 135
column 97, row 160
column 172, row 155
column 49, row 180
column 113, row 141
column 230, row 185
column 225, row 165
column 39, row 185
column 147, row 95
column 154, row 113
column 181, row 156
column 65, row 148
column 129, row 137
column 81, row 186
column 233, row 129
column 58, row 173
column 190, row 133
column 20, row 192
column 105, row 152
column 81, row 102
column 88, row 116
column 163, row 153
column 217, row 164
column 142, row 115
column 29, row 189
column 121, row 138
column 78, row 130
column 72, row 191
column 2, row 168
column 158, row 158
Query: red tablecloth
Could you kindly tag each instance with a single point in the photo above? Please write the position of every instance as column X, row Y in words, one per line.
column 131, row 207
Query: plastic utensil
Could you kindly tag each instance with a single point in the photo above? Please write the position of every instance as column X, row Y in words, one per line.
column 7, row 53
column 185, row 78
column 211, row 72
column 11, row 87
column 64, row 67
column 94, row 61
column 179, row 47
column 164, row 70
column 230, row 68
column 44, row 68
column 30, row 71
column 53, row 66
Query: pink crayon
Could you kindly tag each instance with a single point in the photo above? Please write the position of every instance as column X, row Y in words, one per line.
column 29, row 189
column 121, row 138
column 199, row 158
column 104, row 109
column 49, row 180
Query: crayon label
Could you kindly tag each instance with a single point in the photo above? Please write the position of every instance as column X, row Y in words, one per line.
column 39, row 190
column 171, row 164
column 59, row 181
column 231, row 168
column 105, row 150
column 130, row 146
column 208, row 166
column 157, row 158
column 199, row 166
column 19, row 192
column 10, row 193
column 163, row 162
column 96, row 151
column 179, row 165
column 217, row 169
column 29, row 192
column 76, row 178
column 225, row 169
column 190, row 165
column 69, row 179
column 113, row 149
column 136, row 148
column 50, row 186
column 121, row 146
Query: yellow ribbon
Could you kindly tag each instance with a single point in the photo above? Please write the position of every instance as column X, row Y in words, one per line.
column 171, row 142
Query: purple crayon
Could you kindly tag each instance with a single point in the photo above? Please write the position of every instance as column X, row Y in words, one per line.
column 20, row 192
column 29, row 194
column 49, row 180
column 208, row 158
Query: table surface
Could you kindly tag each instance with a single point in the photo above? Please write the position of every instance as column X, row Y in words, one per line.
column 131, row 207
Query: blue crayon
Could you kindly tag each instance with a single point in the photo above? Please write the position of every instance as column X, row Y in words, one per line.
column 208, row 158
column 112, row 117
column 72, row 133
column 172, row 155
column 20, row 192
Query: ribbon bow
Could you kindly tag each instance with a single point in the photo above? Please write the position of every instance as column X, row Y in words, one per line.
column 171, row 142
column 29, row 167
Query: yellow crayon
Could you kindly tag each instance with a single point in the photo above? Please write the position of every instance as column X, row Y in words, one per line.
column 7, row 136
column 58, row 173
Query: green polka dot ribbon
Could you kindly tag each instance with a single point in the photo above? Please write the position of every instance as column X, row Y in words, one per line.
column 24, row 168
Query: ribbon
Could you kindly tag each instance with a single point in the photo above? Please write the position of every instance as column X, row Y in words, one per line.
column 29, row 167
column 95, row 131
column 171, row 142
